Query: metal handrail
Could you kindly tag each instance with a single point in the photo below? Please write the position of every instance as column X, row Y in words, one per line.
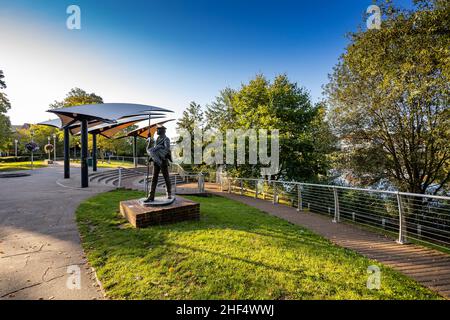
column 421, row 217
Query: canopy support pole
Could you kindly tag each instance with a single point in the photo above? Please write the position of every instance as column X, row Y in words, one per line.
column 147, row 190
column 66, row 153
column 135, row 151
column 94, row 152
column 84, row 154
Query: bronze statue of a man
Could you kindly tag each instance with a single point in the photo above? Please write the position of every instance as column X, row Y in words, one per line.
column 160, row 155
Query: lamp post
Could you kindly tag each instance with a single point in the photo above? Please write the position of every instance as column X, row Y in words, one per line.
column 15, row 146
column 48, row 139
column 54, row 147
column 32, row 140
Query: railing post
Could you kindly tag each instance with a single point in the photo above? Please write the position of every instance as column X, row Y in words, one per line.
column 229, row 185
column 242, row 187
column 256, row 189
column 274, row 201
column 175, row 184
column 299, row 195
column 201, row 183
column 221, row 184
column 337, row 217
column 119, row 183
column 401, row 221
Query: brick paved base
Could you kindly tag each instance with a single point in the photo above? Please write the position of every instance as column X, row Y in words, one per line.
column 139, row 216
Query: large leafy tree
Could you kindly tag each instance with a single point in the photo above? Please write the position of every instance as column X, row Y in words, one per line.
column 281, row 105
column 389, row 97
column 191, row 118
column 75, row 97
column 220, row 112
column 5, row 124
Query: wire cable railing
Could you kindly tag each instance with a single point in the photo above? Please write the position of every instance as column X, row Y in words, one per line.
column 408, row 216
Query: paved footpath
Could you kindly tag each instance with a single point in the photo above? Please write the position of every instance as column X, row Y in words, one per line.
column 39, row 240
column 429, row 267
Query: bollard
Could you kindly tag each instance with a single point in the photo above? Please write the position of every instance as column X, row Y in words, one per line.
column 274, row 201
column 337, row 217
column 119, row 183
column 175, row 185
column 299, row 195
column 401, row 221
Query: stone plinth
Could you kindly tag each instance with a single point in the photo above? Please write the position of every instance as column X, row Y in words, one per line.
column 143, row 216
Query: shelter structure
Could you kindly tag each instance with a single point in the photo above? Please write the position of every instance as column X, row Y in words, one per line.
column 92, row 115
column 143, row 132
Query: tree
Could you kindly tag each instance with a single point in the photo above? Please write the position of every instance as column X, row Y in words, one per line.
column 389, row 98
column 192, row 117
column 281, row 105
column 5, row 124
column 220, row 112
column 75, row 97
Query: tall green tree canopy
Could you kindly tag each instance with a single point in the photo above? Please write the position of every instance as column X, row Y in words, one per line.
column 220, row 112
column 76, row 97
column 281, row 105
column 191, row 117
column 389, row 97
column 5, row 124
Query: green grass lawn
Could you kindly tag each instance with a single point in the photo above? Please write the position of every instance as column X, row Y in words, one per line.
column 112, row 164
column 25, row 165
column 115, row 164
column 234, row 252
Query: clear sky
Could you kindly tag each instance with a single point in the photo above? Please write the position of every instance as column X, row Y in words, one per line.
column 166, row 52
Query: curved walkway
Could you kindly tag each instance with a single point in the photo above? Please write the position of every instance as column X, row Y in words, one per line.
column 39, row 240
column 429, row 267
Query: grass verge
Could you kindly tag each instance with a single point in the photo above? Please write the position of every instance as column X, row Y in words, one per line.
column 234, row 252
column 25, row 165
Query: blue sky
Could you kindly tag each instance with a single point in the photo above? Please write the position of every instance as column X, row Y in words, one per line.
column 167, row 53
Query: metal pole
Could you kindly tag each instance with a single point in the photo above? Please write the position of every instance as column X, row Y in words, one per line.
column 242, row 187
column 66, row 154
column 94, row 152
column 337, row 217
column 300, row 203
column 401, row 221
column 175, row 184
column 119, row 184
column 274, row 201
column 15, row 147
column 135, row 151
column 84, row 154
column 49, row 152
column 54, row 147
column 256, row 189
column 148, row 156
column 32, row 152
